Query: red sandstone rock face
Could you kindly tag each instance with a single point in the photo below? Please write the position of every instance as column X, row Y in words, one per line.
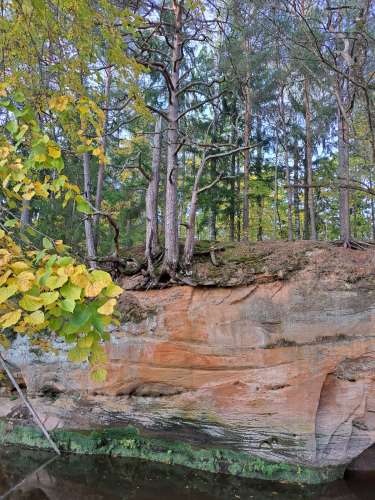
column 284, row 370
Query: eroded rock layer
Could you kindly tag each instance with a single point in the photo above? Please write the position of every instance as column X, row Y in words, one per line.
column 282, row 370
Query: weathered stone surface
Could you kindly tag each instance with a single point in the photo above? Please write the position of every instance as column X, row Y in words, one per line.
column 283, row 371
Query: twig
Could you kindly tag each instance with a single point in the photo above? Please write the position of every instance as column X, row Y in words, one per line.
column 28, row 404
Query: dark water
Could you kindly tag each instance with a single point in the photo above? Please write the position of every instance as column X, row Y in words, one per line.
column 77, row 477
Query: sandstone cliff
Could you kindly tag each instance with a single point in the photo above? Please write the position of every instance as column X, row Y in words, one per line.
column 277, row 365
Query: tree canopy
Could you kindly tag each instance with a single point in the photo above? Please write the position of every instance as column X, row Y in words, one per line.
column 156, row 124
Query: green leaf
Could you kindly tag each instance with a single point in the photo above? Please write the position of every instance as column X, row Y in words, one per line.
column 78, row 355
column 10, row 223
column 83, row 206
column 99, row 375
column 65, row 261
column 70, row 291
column 12, row 126
column 47, row 244
column 19, row 97
column 68, row 305
column 55, row 324
column 81, row 315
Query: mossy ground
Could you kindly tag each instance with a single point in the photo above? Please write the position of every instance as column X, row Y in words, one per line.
column 128, row 442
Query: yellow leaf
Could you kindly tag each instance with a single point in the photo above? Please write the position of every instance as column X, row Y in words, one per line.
column 31, row 303
column 40, row 189
column 49, row 297
column 21, row 327
column 97, row 151
column 99, row 375
column 59, row 103
column 54, row 282
column 19, row 266
column 70, row 291
column 10, row 319
column 2, row 234
column 54, row 152
column 85, row 342
column 25, row 281
column 101, row 277
column 107, row 308
column 113, row 290
column 6, row 292
column 28, row 196
column 40, row 158
column 5, row 276
column 36, row 318
column 93, row 289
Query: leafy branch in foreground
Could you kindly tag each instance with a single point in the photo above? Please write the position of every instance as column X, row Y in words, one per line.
column 48, row 290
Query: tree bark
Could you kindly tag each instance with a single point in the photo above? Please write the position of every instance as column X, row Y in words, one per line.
column 152, row 199
column 101, row 169
column 309, row 152
column 25, row 214
column 290, row 193
column 297, row 218
column 246, row 139
column 89, row 233
column 213, row 209
column 343, row 174
column 171, row 223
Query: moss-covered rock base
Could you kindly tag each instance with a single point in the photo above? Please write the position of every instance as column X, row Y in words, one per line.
column 128, row 442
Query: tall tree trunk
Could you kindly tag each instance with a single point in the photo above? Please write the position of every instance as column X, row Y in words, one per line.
column 152, row 199
column 309, row 152
column 258, row 170
column 190, row 232
column 101, row 169
column 287, row 167
column 89, row 233
column 181, row 209
column 171, row 222
column 306, row 213
column 296, row 193
column 238, row 199
column 276, row 190
column 290, row 193
column 246, row 140
column 343, row 174
column 213, row 209
column 232, row 209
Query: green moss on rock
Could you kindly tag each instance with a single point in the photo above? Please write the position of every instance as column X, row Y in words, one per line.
column 128, row 442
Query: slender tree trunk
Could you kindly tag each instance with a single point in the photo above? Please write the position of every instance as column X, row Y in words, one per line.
column 238, row 199
column 89, row 233
column 310, row 190
column 171, row 222
column 276, row 190
column 372, row 205
column 213, row 210
column 258, row 170
column 232, row 213
column 246, row 139
column 296, row 194
column 343, row 174
column 190, row 232
column 181, row 209
column 232, row 209
column 101, row 169
column 306, row 213
column 25, row 214
column 152, row 199
column 290, row 194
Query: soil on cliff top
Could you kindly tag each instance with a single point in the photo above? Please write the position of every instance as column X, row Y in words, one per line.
column 243, row 263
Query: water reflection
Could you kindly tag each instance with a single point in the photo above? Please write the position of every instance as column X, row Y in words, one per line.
column 95, row 478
